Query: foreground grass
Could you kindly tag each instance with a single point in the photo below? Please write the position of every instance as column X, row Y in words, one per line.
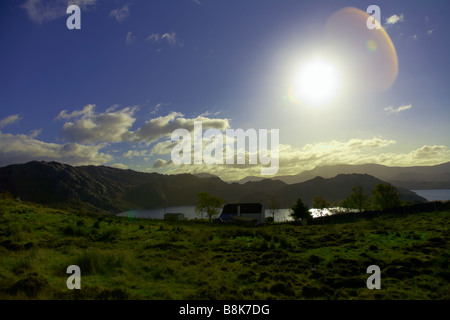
column 154, row 259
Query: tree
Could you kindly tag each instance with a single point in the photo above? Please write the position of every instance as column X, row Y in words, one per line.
column 319, row 202
column 358, row 199
column 300, row 211
column 345, row 204
column 385, row 196
column 274, row 206
column 209, row 204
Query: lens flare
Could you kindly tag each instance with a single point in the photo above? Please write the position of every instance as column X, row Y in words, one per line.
column 371, row 45
column 370, row 54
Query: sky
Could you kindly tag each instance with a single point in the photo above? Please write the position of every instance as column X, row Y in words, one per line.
column 113, row 92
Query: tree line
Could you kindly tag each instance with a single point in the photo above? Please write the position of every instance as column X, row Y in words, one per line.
column 383, row 196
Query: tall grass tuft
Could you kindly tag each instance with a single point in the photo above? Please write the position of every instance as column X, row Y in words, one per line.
column 98, row 262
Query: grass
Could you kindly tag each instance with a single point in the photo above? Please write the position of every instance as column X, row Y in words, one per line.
column 154, row 259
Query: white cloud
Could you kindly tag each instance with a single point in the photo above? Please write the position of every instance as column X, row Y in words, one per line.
column 119, row 165
column 154, row 37
column 155, row 109
column 159, row 127
column 87, row 110
column 41, row 11
column 9, row 120
column 294, row 160
column 89, row 127
column 21, row 148
column 120, row 14
column 429, row 152
column 163, row 147
column 135, row 153
column 394, row 19
column 170, row 38
column 160, row 163
column 114, row 125
column 130, row 38
column 390, row 110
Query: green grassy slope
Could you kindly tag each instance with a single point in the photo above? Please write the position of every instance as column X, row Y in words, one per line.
column 154, row 259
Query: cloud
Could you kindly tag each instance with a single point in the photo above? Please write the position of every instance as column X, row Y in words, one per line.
column 89, row 127
column 356, row 151
column 155, row 109
column 293, row 160
column 9, row 120
column 163, row 126
column 394, row 19
column 87, row 110
column 390, row 110
column 41, row 11
column 120, row 14
column 130, row 38
column 160, row 163
column 114, row 125
column 22, row 148
column 135, row 153
column 154, row 37
column 170, row 38
column 429, row 152
column 163, row 147
column 119, row 166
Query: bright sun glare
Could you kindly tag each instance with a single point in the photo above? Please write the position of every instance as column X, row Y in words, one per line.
column 316, row 83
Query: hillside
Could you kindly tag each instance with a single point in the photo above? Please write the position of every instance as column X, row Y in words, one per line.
column 149, row 259
column 338, row 188
column 115, row 190
column 417, row 177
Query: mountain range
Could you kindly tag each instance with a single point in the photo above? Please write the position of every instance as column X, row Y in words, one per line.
column 115, row 190
column 413, row 178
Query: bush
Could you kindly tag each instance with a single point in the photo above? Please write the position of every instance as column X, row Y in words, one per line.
column 69, row 230
column 30, row 286
column 97, row 262
column 259, row 245
column 110, row 234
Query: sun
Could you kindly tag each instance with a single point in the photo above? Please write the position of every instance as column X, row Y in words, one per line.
column 316, row 82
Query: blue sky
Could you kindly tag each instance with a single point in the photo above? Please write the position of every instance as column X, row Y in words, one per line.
column 113, row 92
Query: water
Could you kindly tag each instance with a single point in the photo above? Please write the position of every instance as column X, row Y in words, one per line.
column 434, row 195
column 281, row 215
column 189, row 212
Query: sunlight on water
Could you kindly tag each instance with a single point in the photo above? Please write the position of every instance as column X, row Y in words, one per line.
column 282, row 215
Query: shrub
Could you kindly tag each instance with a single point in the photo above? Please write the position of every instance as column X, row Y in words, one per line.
column 300, row 211
column 97, row 262
column 110, row 234
column 282, row 288
column 259, row 245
